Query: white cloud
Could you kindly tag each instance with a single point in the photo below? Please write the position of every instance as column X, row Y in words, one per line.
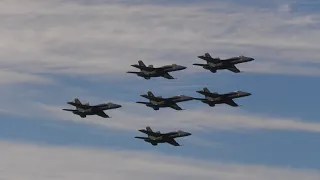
column 9, row 77
column 38, row 162
column 89, row 38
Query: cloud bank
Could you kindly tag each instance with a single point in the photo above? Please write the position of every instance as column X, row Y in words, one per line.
column 73, row 37
column 38, row 162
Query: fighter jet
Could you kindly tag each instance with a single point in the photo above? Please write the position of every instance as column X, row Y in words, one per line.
column 213, row 98
column 157, row 102
column 214, row 64
column 156, row 137
column 149, row 71
column 86, row 109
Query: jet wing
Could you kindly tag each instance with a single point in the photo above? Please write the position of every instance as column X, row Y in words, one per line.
column 173, row 142
column 230, row 102
column 102, row 114
column 167, row 76
column 175, row 106
column 234, row 69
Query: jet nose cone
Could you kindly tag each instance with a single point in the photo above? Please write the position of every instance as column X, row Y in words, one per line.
column 188, row 134
column 250, row 59
column 249, row 94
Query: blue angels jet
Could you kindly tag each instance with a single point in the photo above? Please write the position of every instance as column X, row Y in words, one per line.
column 213, row 98
column 86, row 109
column 157, row 102
column 148, row 72
column 155, row 138
column 214, row 64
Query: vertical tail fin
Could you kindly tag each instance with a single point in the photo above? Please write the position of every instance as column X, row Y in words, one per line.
column 206, row 90
column 207, row 55
column 150, row 94
column 77, row 101
column 141, row 63
column 148, row 128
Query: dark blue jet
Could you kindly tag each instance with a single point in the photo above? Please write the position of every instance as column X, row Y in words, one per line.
column 157, row 102
column 213, row 98
column 155, row 138
column 148, row 72
column 214, row 64
column 84, row 110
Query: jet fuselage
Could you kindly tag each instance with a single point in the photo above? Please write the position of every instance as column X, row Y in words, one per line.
column 224, row 64
column 214, row 98
column 166, row 102
column 148, row 72
column 165, row 138
column 93, row 110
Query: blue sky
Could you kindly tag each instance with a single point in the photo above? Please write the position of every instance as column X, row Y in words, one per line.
column 71, row 49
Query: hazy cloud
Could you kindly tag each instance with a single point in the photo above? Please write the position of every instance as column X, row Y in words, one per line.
column 72, row 37
column 38, row 162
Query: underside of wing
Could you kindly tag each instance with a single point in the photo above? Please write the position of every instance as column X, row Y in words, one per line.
column 154, row 143
column 234, row 69
column 102, row 114
column 175, row 106
column 173, row 142
column 230, row 102
column 167, row 76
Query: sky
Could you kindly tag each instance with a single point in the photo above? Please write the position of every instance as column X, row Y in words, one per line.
column 56, row 50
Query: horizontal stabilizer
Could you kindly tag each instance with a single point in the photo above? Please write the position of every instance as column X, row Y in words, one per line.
column 139, row 102
column 133, row 72
column 71, row 110
column 200, row 64
column 144, row 138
